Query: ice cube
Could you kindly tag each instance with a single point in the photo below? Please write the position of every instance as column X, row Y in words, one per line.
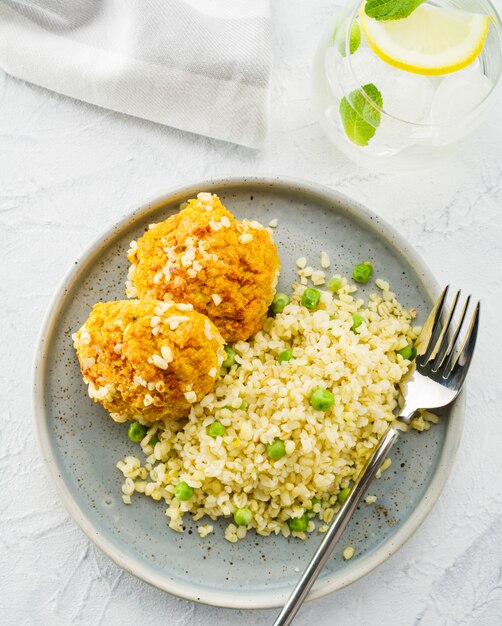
column 344, row 76
column 340, row 77
column 459, row 94
column 406, row 96
column 368, row 68
column 390, row 137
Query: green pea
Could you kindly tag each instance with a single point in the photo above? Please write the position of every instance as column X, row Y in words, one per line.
column 280, row 302
column 362, row 272
column 299, row 524
column 334, row 283
column 321, row 399
column 243, row 517
column 343, row 495
column 183, row 491
column 230, row 360
column 136, row 432
column 153, row 441
column 357, row 320
column 285, row 355
column 216, row 429
column 408, row 352
column 310, row 298
column 276, row 450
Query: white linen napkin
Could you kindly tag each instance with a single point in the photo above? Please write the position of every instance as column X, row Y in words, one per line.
column 198, row 65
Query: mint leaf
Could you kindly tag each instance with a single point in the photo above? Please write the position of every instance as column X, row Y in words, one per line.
column 391, row 9
column 360, row 118
column 341, row 36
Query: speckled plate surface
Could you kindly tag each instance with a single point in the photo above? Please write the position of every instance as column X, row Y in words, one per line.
column 81, row 445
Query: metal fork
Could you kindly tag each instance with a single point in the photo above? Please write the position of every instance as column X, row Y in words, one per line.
column 442, row 363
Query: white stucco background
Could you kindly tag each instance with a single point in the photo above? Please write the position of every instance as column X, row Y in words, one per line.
column 69, row 170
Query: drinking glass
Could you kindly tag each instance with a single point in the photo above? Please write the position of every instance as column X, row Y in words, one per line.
column 422, row 118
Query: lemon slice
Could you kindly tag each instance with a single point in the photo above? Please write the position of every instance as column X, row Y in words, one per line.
column 430, row 41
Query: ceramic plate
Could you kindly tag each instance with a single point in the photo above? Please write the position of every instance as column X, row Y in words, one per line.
column 81, row 445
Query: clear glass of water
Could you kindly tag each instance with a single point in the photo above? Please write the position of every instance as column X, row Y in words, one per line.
column 422, row 118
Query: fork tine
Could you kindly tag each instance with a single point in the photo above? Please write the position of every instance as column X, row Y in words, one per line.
column 453, row 341
column 442, row 343
column 430, row 330
column 456, row 367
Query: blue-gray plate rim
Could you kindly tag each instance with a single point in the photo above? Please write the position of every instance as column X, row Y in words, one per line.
column 273, row 591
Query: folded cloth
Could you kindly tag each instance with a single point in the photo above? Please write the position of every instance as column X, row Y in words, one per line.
column 198, row 65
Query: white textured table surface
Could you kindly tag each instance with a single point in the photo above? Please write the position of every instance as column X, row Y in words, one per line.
column 68, row 171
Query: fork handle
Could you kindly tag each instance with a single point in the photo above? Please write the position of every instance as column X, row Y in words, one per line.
column 336, row 528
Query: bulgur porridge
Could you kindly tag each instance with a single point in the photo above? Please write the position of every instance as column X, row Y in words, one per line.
column 256, row 450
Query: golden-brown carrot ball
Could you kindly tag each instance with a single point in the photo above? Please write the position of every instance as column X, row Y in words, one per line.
column 148, row 360
column 225, row 268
